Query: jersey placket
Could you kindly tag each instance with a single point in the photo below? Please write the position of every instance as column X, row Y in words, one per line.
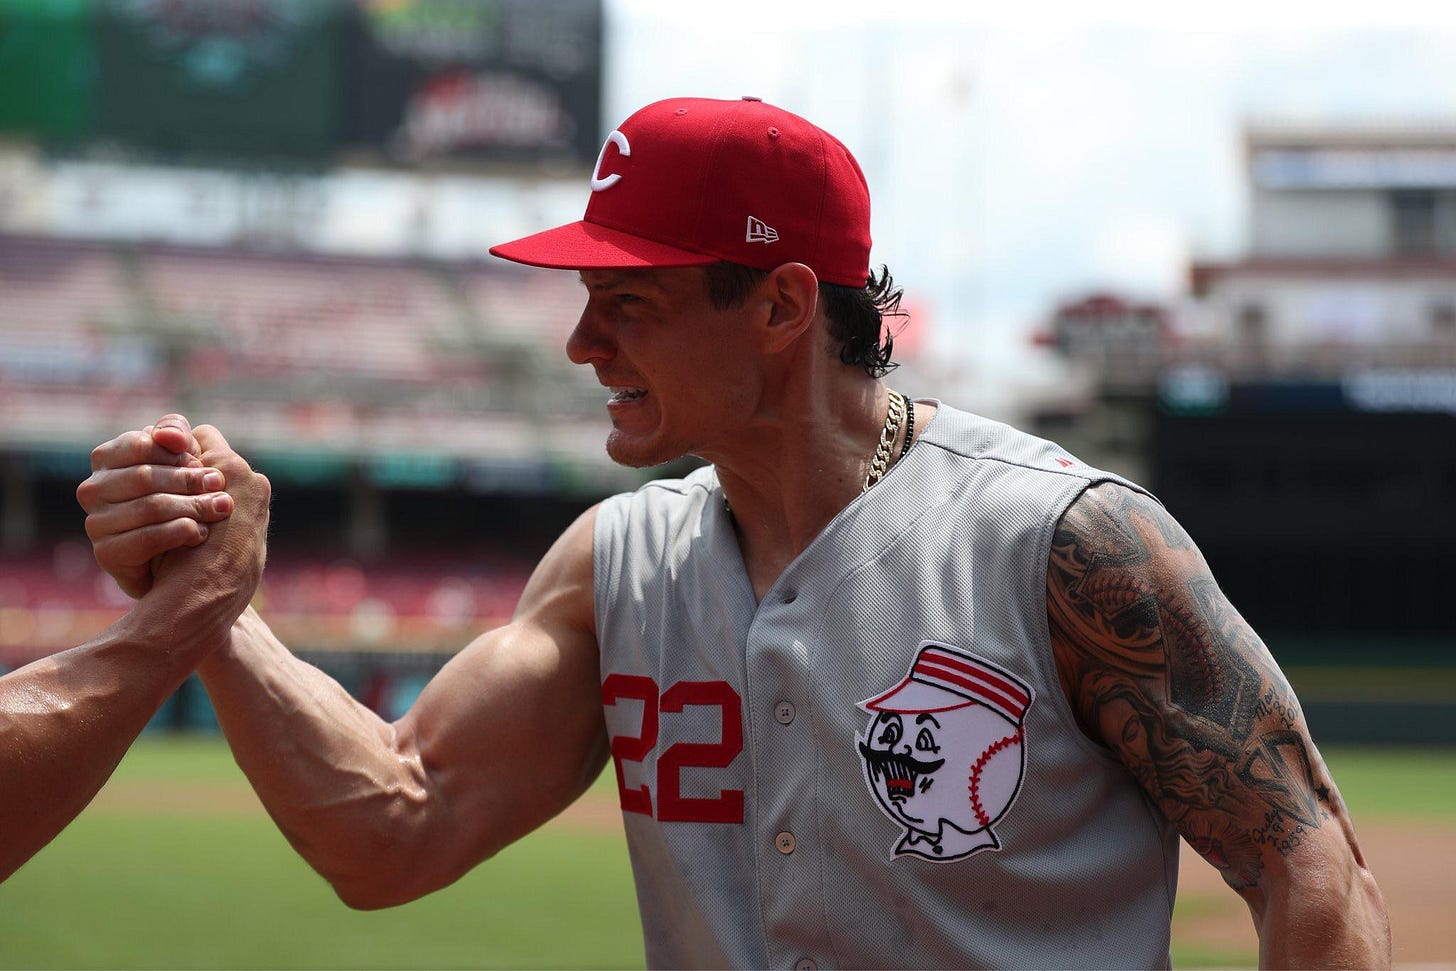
column 787, row 838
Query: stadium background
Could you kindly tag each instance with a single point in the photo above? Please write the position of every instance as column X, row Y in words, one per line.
column 272, row 216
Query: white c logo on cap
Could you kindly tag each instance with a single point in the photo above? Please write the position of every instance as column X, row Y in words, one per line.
column 620, row 140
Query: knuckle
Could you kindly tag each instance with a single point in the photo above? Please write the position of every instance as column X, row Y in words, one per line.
column 111, row 553
column 178, row 532
column 232, row 466
column 155, row 506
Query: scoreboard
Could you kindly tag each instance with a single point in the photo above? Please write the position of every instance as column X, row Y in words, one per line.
column 249, row 81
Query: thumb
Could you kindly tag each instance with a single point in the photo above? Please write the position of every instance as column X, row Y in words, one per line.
column 174, row 433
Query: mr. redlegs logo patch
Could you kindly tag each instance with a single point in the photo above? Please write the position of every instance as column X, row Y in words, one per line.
column 944, row 751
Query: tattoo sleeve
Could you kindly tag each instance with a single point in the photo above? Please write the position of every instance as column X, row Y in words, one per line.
column 1162, row 669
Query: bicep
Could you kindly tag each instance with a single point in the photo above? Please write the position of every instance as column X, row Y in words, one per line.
column 1165, row 672
column 511, row 730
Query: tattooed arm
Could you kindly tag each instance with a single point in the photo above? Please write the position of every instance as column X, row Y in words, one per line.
column 1160, row 668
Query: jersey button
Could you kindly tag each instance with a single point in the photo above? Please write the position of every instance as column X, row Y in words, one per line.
column 806, row 964
column 785, row 842
column 784, row 712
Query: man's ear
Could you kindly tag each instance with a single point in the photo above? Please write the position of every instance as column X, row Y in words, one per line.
column 792, row 294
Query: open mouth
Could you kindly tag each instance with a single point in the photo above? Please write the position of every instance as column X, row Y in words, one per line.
column 898, row 772
column 620, row 395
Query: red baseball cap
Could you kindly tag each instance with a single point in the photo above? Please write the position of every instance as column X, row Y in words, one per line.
column 691, row 181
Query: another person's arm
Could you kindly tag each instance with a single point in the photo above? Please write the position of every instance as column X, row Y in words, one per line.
column 66, row 720
column 1164, row 671
column 506, row 735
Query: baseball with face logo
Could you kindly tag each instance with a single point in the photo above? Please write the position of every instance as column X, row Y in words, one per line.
column 943, row 752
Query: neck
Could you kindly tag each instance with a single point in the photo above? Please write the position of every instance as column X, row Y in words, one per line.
column 797, row 464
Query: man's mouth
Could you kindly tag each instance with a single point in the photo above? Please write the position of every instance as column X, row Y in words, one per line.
column 621, row 394
column 899, row 772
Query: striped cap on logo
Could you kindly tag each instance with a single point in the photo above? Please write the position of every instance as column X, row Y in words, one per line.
column 943, row 678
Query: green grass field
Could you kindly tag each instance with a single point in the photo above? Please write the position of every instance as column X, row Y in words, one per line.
column 176, row 866
column 216, row 886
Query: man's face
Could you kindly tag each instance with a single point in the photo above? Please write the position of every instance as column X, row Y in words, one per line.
column 918, row 764
column 902, row 754
column 678, row 369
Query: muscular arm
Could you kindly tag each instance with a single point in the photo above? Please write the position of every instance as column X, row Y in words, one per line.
column 1161, row 669
column 66, row 720
column 503, row 738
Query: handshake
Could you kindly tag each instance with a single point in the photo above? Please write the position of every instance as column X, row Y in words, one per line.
column 168, row 489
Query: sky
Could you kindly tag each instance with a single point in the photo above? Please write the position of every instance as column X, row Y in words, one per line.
column 1017, row 158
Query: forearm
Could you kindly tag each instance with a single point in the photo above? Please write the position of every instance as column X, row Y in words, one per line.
column 1324, row 911
column 66, row 720
column 329, row 771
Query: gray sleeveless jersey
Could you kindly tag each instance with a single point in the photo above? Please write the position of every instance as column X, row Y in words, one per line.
column 876, row 766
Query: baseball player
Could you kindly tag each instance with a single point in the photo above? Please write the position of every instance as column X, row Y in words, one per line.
column 885, row 684
column 66, row 720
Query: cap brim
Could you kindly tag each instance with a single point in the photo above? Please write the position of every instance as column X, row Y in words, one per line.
column 588, row 246
column 914, row 695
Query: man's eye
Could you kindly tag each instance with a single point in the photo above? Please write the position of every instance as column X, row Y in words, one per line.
column 925, row 741
column 891, row 734
column 628, row 298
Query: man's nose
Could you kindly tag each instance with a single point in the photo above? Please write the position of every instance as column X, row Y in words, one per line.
column 589, row 341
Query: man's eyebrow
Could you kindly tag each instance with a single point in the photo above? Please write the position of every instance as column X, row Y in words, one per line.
column 635, row 278
column 924, row 717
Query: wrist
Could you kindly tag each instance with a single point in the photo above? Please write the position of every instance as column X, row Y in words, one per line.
column 151, row 635
column 247, row 625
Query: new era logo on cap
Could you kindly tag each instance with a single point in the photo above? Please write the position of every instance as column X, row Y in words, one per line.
column 760, row 232
column 674, row 182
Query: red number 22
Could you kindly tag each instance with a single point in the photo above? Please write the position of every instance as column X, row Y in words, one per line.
column 727, row 806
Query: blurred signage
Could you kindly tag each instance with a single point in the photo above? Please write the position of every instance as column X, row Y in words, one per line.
column 250, row 80
column 228, row 77
column 492, row 78
column 1193, row 390
column 1353, row 168
column 1198, row 390
column 46, row 65
column 1402, row 390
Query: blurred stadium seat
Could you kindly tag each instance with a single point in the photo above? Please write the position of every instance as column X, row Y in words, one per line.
column 400, row 400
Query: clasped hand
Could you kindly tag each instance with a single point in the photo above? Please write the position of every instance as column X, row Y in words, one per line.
column 171, row 505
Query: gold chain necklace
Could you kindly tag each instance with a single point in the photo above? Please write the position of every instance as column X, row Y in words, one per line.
column 881, row 463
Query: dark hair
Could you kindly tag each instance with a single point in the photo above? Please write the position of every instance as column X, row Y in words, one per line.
column 856, row 314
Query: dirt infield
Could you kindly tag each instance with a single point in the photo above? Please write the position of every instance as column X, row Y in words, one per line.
column 1412, row 861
